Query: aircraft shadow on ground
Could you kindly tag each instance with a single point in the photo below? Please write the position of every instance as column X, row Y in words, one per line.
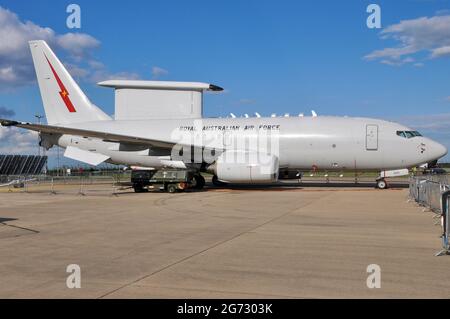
column 284, row 186
column 6, row 219
column 303, row 185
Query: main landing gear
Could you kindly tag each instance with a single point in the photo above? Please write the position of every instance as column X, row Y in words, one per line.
column 198, row 181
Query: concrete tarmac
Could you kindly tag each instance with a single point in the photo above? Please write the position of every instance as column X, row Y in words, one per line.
column 281, row 242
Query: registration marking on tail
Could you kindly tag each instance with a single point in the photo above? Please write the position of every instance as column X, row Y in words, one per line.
column 63, row 93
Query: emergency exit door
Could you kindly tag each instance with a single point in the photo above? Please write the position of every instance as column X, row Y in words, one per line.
column 372, row 137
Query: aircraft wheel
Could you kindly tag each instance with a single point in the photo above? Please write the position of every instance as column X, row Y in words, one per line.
column 199, row 181
column 381, row 184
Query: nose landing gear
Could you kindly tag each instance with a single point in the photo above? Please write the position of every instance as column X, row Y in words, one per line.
column 381, row 183
column 381, row 180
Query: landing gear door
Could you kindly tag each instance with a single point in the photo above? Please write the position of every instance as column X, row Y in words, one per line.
column 371, row 137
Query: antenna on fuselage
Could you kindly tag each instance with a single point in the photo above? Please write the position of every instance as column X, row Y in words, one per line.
column 257, row 114
column 314, row 114
column 232, row 115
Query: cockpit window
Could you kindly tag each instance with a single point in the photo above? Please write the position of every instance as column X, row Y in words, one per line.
column 401, row 133
column 408, row 134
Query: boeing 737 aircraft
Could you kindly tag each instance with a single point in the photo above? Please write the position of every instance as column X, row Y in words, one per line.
column 160, row 124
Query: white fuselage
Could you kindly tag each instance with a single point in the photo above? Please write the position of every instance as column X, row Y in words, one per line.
column 337, row 143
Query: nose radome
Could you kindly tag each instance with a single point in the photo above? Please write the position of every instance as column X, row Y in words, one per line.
column 438, row 150
column 443, row 150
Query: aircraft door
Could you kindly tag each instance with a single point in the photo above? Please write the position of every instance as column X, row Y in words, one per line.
column 372, row 137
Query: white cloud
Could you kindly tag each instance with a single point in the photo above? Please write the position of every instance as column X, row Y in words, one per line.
column 16, row 65
column 17, row 141
column 76, row 71
column 397, row 62
column 442, row 12
column 426, row 34
column 440, row 52
column 158, row 72
column 97, row 72
column 432, row 123
column 96, row 64
column 16, row 68
column 77, row 44
column 104, row 74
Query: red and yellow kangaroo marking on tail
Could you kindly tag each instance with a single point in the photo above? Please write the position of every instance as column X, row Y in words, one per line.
column 64, row 93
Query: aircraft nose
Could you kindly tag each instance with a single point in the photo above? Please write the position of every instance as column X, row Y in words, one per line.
column 437, row 150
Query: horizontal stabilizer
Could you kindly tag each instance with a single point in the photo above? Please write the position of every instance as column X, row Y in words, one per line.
column 85, row 156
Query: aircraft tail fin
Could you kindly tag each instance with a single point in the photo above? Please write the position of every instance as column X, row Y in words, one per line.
column 64, row 101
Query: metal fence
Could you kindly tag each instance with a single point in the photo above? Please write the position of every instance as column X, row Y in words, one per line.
column 433, row 193
column 68, row 185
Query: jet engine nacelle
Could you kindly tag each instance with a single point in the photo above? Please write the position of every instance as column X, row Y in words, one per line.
column 246, row 167
column 48, row 140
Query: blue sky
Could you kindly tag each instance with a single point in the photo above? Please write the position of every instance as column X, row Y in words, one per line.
column 270, row 56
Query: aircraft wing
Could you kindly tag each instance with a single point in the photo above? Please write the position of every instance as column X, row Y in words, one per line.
column 110, row 137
